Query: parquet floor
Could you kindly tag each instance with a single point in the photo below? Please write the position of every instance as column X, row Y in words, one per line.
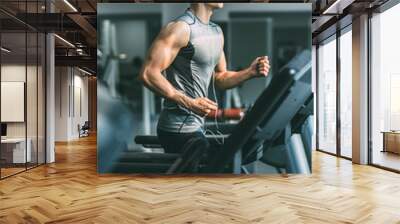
column 10, row 171
column 70, row 191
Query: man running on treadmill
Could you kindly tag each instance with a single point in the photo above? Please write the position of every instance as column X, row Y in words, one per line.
column 190, row 51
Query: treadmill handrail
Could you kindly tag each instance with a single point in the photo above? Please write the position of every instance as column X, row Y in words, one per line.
column 264, row 106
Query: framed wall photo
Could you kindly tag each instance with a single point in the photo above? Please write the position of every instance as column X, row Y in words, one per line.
column 12, row 101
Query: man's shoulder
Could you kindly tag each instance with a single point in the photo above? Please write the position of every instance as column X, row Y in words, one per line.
column 177, row 27
column 178, row 32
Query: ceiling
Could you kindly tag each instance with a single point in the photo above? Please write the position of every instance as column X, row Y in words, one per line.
column 74, row 22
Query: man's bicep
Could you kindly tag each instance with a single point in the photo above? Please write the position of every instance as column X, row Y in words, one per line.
column 221, row 66
column 161, row 55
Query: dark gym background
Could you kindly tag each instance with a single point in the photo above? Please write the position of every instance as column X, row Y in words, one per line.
column 126, row 108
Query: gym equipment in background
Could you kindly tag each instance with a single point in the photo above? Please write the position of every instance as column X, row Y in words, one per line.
column 270, row 123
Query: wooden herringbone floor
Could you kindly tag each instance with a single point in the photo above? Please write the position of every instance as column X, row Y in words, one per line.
column 70, row 191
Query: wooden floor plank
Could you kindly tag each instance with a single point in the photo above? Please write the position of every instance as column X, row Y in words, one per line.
column 70, row 191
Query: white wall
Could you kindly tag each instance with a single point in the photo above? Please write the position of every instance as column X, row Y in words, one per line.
column 69, row 82
column 12, row 73
column 61, row 103
column 80, row 83
column 33, row 126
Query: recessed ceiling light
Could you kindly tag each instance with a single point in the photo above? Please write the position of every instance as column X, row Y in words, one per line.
column 84, row 71
column 333, row 6
column 5, row 50
column 70, row 5
column 65, row 41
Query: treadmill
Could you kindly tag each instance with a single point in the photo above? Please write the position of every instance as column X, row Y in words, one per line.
column 273, row 121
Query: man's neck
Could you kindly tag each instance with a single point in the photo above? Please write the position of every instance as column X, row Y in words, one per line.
column 202, row 12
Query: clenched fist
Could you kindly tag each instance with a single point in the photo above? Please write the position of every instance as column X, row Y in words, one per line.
column 260, row 66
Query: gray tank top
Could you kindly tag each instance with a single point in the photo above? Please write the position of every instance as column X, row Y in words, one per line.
column 191, row 73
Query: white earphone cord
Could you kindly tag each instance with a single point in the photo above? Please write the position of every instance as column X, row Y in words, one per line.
column 215, row 118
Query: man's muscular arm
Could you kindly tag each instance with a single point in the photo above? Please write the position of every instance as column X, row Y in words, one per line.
column 161, row 54
column 225, row 79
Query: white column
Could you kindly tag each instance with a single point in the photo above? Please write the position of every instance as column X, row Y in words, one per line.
column 50, row 99
column 50, row 92
column 360, row 90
